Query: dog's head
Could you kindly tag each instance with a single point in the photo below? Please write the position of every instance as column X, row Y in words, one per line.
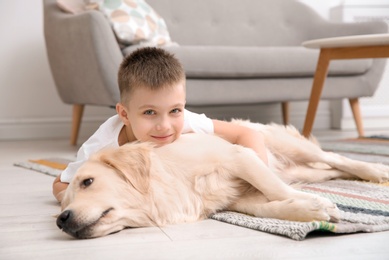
column 108, row 193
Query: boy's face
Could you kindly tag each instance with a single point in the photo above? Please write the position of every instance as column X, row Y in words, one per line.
column 156, row 115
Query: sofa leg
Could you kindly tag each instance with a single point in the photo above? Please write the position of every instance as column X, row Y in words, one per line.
column 78, row 111
column 285, row 112
column 356, row 109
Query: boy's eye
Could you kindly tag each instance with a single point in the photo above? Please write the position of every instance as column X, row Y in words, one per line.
column 175, row 111
column 149, row 112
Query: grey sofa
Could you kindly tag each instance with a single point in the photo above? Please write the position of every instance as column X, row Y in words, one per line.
column 234, row 52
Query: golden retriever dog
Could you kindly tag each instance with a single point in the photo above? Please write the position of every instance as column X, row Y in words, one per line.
column 139, row 185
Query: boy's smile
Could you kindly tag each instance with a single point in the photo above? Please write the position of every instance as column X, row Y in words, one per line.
column 154, row 115
column 162, row 138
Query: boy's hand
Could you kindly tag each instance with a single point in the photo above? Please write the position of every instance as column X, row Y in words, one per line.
column 59, row 188
column 241, row 135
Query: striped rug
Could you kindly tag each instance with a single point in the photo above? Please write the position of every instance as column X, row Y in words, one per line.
column 49, row 166
column 370, row 149
column 364, row 208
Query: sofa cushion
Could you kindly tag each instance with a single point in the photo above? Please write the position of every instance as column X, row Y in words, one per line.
column 134, row 21
column 256, row 62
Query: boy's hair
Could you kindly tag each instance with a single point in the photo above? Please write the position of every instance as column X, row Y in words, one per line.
column 151, row 68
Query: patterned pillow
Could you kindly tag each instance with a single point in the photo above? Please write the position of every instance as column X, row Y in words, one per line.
column 135, row 22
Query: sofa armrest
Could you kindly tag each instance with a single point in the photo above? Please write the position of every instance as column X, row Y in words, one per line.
column 84, row 56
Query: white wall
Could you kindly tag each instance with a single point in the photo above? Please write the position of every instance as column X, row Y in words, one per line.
column 322, row 6
column 375, row 110
column 29, row 104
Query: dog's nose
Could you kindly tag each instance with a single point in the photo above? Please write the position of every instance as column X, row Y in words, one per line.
column 65, row 216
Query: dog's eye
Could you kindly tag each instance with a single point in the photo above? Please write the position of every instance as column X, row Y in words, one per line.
column 87, row 182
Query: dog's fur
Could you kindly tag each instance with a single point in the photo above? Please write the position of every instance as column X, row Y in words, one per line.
column 138, row 185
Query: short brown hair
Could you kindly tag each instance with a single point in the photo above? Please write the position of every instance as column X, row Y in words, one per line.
column 149, row 67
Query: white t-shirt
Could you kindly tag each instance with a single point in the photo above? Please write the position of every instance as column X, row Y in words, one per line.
column 108, row 133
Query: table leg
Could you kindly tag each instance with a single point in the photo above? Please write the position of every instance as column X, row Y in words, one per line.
column 317, row 87
column 356, row 109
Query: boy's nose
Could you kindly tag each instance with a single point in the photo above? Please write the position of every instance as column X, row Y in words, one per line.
column 163, row 124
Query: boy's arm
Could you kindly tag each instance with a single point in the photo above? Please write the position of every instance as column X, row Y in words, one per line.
column 59, row 188
column 241, row 135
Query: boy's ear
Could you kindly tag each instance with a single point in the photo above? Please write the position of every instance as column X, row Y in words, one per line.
column 121, row 110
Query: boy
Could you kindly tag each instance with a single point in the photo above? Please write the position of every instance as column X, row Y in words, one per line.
column 152, row 108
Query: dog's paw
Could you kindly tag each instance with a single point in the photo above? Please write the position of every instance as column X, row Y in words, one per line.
column 323, row 209
column 379, row 173
column 331, row 209
column 313, row 208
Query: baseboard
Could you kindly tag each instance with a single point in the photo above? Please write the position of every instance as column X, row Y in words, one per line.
column 369, row 123
column 271, row 113
column 46, row 128
column 373, row 117
column 60, row 128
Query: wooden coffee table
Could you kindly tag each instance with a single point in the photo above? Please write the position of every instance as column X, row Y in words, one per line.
column 339, row 48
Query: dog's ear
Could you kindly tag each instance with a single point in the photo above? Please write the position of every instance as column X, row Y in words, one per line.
column 133, row 162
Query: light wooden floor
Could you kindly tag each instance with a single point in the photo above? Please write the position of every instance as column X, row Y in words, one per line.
column 28, row 229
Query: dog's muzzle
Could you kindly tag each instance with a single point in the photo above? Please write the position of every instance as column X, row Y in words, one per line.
column 67, row 222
